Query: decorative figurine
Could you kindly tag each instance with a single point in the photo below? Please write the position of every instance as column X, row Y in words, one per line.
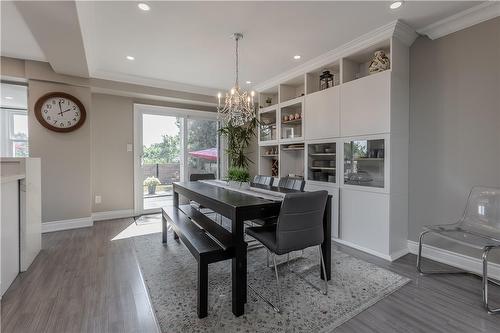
column 379, row 63
column 297, row 115
column 269, row 101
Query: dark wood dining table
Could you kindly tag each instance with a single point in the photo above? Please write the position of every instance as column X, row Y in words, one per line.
column 240, row 207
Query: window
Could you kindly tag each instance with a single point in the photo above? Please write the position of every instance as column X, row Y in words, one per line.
column 13, row 121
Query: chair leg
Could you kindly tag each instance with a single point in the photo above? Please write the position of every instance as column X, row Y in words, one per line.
column 486, row 281
column 277, row 283
column 324, row 269
column 419, row 260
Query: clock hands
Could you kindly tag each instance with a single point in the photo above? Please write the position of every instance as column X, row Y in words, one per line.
column 60, row 109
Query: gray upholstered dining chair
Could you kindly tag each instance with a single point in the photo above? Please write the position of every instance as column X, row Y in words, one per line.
column 479, row 228
column 299, row 226
column 263, row 180
column 292, row 183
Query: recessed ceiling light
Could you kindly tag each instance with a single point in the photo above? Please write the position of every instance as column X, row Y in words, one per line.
column 130, row 58
column 143, row 6
column 9, row 97
column 396, row 4
column 296, row 57
column 249, row 82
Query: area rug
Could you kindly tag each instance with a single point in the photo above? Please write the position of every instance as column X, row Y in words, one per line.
column 170, row 275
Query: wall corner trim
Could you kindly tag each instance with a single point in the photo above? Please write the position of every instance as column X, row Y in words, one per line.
column 467, row 18
column 112, row 214
column 67, row 224
column 474, row 265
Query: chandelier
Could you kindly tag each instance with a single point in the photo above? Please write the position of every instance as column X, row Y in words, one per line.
column 238, row 107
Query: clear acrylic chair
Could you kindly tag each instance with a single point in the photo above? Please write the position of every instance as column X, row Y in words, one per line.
column 479, row 228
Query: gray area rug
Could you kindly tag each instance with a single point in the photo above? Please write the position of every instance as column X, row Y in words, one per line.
column 170, row 275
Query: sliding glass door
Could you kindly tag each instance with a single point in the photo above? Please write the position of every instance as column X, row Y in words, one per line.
column 169, row 145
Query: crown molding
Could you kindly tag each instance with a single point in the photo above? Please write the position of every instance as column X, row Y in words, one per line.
column 396, row 28
column 467, row 18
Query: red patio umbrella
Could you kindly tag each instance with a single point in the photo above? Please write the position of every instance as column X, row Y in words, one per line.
column 209, row 154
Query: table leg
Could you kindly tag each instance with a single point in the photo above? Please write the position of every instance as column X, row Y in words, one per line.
column 175, row 202
column 326, row 247
column 164, row 229
column 239, row 269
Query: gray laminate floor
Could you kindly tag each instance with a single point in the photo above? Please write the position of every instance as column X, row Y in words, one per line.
column 88, row 280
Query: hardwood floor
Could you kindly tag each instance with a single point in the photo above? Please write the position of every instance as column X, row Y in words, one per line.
column 83, row 281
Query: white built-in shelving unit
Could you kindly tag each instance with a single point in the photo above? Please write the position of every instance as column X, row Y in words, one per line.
column 350, row 139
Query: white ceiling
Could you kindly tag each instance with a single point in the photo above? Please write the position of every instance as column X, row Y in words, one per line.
column 17, row 41
column 188, row 42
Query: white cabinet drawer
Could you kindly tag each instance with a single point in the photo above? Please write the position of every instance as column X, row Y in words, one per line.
column 365, row 105
column 323, row 114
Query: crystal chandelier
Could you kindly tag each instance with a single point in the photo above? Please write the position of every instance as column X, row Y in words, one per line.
column 238, row 107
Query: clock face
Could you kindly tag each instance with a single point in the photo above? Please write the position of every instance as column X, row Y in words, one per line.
column 60, row 112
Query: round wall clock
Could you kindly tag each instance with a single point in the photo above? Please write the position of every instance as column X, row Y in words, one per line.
column 60, row 112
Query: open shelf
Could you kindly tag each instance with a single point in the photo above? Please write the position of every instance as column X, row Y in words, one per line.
column 292, row 89
column 291, row 128
column 269, row 162
column 356, row 65
column 268, row 127
column 271, row 93
column 312, row 78
column 292, row 160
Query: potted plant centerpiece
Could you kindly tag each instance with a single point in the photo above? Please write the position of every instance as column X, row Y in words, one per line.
column 238, row 177
column 151, row 183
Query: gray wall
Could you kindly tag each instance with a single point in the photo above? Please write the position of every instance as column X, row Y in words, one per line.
column 454, row 122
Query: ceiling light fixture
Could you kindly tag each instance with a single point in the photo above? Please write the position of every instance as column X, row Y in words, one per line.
column 296, row 57
column 144, row 6
column 248, row 82
column 238, row 107
column 396, row 4
column 130, row 58
column 9, row 97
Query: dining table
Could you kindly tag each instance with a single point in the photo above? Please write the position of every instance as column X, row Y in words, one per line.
column 240, row 204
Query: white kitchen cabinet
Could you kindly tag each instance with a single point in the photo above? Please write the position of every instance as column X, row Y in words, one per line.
column 365, row 105
column 334, row 191
column 323, row 114
column 9, row 229
column 365, row 220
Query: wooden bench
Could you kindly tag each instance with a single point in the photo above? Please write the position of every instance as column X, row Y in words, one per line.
column 207, row 241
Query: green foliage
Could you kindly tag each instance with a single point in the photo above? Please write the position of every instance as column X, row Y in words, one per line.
column 238, row 139
column 166, row 151
column 202, row 135
column 238, row 174
column 151, row 181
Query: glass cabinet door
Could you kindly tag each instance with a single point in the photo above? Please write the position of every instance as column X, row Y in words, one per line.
column 322, row 162
column 268, row 126
column 364, row 163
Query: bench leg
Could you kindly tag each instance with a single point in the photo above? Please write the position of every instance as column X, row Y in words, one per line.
column 164, row 230
column 202, row 306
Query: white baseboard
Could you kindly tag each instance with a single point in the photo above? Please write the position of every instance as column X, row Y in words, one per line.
column 389, row 257
column 67, row 224
column 454, row 259
column 112, row 214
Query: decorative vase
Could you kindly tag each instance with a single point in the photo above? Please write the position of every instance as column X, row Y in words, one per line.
column 379, row 63
column 238, row 185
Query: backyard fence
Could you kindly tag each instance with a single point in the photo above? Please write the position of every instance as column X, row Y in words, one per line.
column 165, row 172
